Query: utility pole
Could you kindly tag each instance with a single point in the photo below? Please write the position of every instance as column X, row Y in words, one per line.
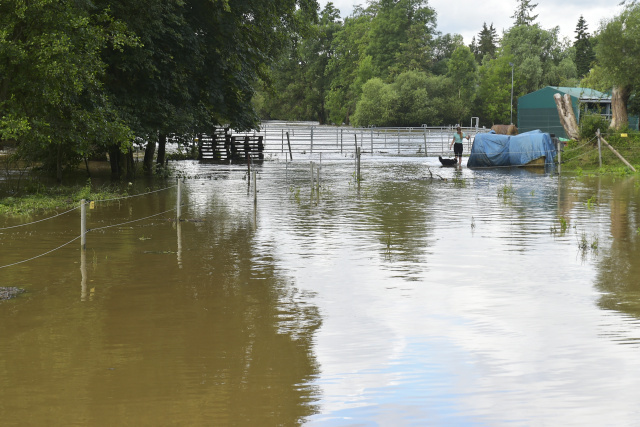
column 511, row 63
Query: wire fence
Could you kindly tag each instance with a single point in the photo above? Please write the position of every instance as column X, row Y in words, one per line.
column 318, row 145
column 84, row 230
column 281, row 139
column 40, row 220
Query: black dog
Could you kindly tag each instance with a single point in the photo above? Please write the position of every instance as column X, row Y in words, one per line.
column 448, row 162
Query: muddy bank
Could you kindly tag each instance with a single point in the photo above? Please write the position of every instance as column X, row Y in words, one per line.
column 8, row 293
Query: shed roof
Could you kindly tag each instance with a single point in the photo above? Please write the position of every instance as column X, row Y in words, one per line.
column 583, row 93
column 543, row 98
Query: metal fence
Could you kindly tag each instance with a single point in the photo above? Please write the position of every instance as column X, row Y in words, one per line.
column 308, row 138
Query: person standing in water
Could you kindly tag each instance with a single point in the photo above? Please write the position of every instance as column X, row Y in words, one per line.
column 457, row 143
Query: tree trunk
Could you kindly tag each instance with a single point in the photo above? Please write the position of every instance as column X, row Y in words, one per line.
column 131, row 166
column 149, row 151
column 113, row 160
column 59, row 164
column 162, row 143
column 619, row 99
column 567, row 116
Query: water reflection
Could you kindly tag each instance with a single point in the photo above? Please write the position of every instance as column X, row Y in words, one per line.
column 420, row 295
column 220, row 337
column 618, row 271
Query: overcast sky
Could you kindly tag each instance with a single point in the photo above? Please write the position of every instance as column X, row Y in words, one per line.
column 465, row 17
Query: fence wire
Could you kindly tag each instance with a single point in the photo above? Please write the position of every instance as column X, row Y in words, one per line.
column 88, row 230
column 41, row 255
column 135, row 195
column 40, row 220
column 129, row 222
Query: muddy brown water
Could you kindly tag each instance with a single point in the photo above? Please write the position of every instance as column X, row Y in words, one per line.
column 487, row 297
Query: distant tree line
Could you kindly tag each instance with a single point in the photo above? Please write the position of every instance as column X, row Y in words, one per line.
column 82, row 78
column 386, row 65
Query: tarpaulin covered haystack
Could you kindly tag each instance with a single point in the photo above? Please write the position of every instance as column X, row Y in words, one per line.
column 493, row 150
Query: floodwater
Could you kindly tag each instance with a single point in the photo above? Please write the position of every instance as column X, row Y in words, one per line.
column 422, row 296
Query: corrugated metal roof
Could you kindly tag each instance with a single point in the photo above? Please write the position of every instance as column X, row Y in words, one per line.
column 583, row 93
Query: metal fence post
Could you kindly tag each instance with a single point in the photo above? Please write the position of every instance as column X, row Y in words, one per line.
column 599, row 148
column 83, row 224
column 178, row 197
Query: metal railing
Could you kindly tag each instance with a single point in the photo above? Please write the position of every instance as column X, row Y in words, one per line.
column 309, row 139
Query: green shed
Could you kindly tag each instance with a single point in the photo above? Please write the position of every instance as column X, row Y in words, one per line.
column 537, row 110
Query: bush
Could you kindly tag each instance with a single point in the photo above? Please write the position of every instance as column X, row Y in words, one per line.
column 590, row 123
column 631, row 140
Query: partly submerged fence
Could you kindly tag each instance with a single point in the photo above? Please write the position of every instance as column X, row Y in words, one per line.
column 290, row 138
column 83, row 221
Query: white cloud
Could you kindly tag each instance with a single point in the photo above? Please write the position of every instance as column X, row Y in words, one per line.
column 466, row 17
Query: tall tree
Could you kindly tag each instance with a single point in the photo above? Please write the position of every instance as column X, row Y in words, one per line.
column 400, row 35
column 523, row 13
column 348, row 66
column 584, row 48
column 198, row 63
column 462, row 69
column 494, row 91
column 487, row 42
column 618, row 53
column 540, row 58
column 443, row 48
column 300, row 77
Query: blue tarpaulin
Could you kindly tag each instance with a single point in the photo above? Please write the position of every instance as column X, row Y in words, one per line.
column 492, row 150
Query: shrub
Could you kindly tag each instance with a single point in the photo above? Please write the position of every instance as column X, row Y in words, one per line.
column 590, row 123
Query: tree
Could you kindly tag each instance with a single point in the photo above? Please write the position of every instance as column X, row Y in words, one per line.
column 462, row 69
column 400, row 36
column 584, row 55
column 540, row 58
column 494, row 91
column 198, row 63
column 443, row 48
column 522, row 14
column 618, row 53
column 301, row 80
column 413, row 99
column 376, row 106
column 486, row 45
column 347, row 63
column 52, row 102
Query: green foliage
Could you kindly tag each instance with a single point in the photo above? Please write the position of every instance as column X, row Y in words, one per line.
column 522, row 14
column 584, row 54
column 597, row 78
column 462, row 69
column 590, row 123
column 487, row 43
column 301, row 80
column 617, row 49
column 399, row 35
column 376, row 106
column 52, row 101
column 53, row 199
column 583, row 159
column 494, row 91
column 540, row 58
column 413, row 99
column 77, row 77
column 349, row 44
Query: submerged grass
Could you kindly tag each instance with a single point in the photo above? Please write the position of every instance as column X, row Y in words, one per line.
column 55, row 198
